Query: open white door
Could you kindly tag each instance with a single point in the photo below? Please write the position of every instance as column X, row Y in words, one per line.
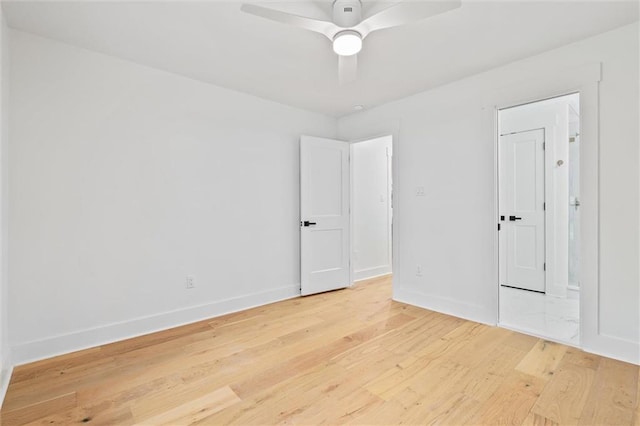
column 324, row 214
column 523, row 158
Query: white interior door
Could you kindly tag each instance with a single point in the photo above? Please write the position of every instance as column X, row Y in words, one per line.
column 324, row 214
column 523, row 183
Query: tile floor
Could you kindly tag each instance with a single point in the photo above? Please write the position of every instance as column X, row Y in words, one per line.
column 546, row 316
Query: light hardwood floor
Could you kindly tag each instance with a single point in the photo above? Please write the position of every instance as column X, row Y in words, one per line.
column 349, row 356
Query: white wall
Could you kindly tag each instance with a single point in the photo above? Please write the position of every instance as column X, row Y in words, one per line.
column 371, row 207
column 445, row 142
column 123, row 180
column 5, row 353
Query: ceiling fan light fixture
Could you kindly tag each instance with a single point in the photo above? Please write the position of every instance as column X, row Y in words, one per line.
column 347, row 43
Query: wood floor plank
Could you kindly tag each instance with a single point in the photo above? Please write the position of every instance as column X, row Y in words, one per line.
column 520, row 341
column 543, row 359
column 452, row 341
column 303, row 362
column 387, row 413
column 39, row 368
column 352, row 356
column 477, row 349
column 636, row 416
column 39, row 409
column 614, row 394
column 511, row 403
column 190, row 412
column 534, row 419
column 435, row 381
column 104, row 413
column 564, row 398
column 450, row 408
column 487, row 376
column 581, row 358
column 396, row 378
column 276, row 402
column 459, row 413
column 425, row 331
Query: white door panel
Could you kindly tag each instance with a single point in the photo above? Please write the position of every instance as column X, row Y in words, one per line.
column 523, row 182
column 324, row 210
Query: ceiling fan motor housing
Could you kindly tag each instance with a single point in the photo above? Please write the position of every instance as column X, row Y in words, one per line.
column 347, row 13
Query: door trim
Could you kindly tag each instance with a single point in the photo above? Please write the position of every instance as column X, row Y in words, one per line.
column 593, row 196
column 380, row 129
column 585, row 81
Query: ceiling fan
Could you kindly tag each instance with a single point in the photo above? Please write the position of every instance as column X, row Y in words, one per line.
column 348, row 29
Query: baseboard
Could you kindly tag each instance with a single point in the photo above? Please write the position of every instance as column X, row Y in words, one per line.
column 610, row 347
column 365, row 274
column 5, row 378
column 613, row 347
column 26, row 352
column 468, row 311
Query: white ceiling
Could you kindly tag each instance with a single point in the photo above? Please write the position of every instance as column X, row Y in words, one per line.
column 215, row 42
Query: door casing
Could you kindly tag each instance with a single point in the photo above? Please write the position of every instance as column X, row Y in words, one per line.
column 585, row 81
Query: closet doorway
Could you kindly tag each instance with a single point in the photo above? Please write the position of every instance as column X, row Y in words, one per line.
column 371, row 208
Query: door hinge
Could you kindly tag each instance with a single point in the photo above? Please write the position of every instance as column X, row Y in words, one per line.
column 544, row 145
column 544, row 206
column 544, row 266
column 498, row 227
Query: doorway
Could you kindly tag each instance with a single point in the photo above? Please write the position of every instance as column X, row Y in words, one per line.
column 539, row 218
column 371, row 208
column 345, row 212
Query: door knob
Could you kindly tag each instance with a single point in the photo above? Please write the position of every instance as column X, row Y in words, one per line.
column 307, row 223
column 514, row 218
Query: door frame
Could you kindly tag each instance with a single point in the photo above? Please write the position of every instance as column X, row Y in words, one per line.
column 381, row 128
column 392, row 198
column 554, row 253
column 585, row 81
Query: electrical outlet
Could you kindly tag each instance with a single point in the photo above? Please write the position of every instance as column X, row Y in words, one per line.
column 191, row 281
column 418, row 271
column 420, row 191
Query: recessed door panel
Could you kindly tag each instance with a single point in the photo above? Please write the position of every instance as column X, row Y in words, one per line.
column 524, row 173
column 323, row 260
column 326, row 182
column 524, row 245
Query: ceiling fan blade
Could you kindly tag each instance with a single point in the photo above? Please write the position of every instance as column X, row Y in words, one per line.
column 326, row 28
column 405, row 13
column 347, row 69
